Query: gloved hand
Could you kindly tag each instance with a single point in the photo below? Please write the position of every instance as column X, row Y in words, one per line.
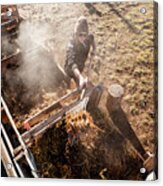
column 82, row 82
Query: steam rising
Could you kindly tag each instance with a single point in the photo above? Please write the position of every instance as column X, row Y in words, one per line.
column 8, row 48
column 37, row 69
column 43, row 40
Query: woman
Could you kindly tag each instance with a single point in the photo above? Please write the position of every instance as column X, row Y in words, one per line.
column 78, row 50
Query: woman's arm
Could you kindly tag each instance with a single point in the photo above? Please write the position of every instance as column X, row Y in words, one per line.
column 78, row 75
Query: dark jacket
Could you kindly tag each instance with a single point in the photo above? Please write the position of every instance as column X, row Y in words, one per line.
column 77, row 54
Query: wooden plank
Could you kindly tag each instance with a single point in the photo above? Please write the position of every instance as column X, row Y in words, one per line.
column 41, row 127
column 55, row 105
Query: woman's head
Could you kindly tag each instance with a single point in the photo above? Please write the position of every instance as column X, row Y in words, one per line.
column 81, row 29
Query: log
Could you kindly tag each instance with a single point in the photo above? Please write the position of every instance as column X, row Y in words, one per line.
column 119, row 118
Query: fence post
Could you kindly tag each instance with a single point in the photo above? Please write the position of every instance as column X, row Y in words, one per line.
column 119, row 118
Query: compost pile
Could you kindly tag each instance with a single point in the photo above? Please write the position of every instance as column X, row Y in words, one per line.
column 77, row 148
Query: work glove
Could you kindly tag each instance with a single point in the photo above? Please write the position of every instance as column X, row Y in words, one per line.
column 82, row 82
